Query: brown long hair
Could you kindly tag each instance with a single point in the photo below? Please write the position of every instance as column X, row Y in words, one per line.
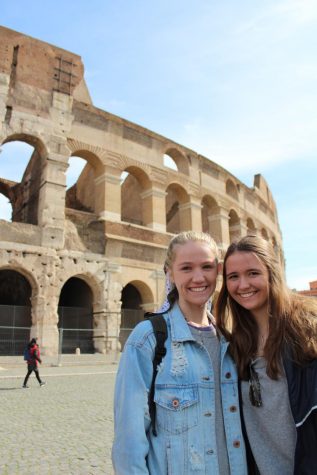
column 292, row 317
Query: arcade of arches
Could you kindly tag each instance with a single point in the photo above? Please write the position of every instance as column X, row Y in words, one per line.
column 86, row 259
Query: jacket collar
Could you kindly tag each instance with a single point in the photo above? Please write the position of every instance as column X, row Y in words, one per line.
column 179, row 328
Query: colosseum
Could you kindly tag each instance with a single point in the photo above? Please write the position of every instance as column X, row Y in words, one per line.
column 86, row 261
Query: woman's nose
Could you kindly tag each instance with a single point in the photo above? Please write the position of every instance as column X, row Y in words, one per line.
column 243, row 282
column 198, row 276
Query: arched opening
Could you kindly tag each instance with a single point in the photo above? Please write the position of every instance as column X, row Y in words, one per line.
column 251, row 229
column 175, row 197
column 133, row 183
column 168, row 162
column 264, row 234
column 231, row 189
column 209, row 210
column 75, row 311
column 234, row 226
column 173, row 157
column 21, row 163
column 15, row 312
column 80, row 184
column 136, row 295
column 5, row 202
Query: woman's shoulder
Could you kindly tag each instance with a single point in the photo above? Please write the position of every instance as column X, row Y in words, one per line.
column 143, row 333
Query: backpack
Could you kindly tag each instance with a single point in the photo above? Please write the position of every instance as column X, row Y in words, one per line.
column 26, row 354
column 160, row 331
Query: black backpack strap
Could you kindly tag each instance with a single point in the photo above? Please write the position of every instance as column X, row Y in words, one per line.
column 160, row 331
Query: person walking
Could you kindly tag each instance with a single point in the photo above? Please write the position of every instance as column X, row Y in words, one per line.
column 273, row 340
column 196, row 429
column 32, row 362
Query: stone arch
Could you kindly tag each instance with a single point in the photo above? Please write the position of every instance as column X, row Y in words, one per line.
column 209, row 210
column 251, row 229
column 17, row 287
column 25, row 193
column 176, row 197
column 234, row 226
column 179, row 158
column 265, row 234
column 81, row 195
column 133, row 206
column 231, row 189
column 136, row 298
column 31, row 139
column 75, row 313
column 6, row 199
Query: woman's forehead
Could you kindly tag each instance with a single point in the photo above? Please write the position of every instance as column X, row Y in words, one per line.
column 242, row 260
column 193, row 250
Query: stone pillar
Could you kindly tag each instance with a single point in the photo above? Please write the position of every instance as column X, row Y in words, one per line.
column 112, row 290
column 108, row 195
column 154, row 209
column 44, row 324
column 219, row 227
column 4, row 90
column 190, row 215
column 51, row 210
column 159, row 276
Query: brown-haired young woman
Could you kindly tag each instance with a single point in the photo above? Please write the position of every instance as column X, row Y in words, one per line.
column 273, row 340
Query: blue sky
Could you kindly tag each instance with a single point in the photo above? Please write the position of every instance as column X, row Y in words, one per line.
column 234, row 80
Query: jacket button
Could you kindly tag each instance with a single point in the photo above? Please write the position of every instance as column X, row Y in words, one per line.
column 210, row 452
column 175, row 403
column 233, row 408
column 208, row 414
column 228, row 375
column 236, row 444
column 205, row 378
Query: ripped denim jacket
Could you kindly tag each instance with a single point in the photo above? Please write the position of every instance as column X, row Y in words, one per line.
column 184, row 394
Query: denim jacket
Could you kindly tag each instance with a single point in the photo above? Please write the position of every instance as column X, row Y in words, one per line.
column 185, row 403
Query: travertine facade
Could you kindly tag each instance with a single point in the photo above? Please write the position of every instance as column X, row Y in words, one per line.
column 104, row 232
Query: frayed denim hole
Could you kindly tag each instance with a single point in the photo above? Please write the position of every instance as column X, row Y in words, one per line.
column 179, row 360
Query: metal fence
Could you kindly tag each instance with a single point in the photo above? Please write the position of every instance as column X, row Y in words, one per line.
column 14, row 336
column 15, row 328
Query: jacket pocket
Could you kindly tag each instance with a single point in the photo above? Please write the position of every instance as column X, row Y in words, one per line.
column 176, row 407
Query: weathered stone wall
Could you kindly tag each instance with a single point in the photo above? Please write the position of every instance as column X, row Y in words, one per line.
column 105, row 233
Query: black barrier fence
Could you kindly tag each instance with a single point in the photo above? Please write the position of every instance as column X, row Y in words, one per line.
column 15, row 326
column 75, row 329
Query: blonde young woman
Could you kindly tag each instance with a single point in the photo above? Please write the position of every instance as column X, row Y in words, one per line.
column 273, row 340
column 197, row 425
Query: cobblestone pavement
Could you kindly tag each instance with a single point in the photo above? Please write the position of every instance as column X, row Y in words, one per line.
column 64, row 427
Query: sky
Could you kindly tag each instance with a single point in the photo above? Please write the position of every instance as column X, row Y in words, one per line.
column 236, row 81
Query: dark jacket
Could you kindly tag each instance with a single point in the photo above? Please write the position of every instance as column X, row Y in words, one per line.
column 302, row 389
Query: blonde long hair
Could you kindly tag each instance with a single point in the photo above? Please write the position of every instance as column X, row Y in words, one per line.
column 180, row 239
column 292, row 322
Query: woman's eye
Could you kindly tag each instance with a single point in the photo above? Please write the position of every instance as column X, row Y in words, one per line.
column 232, row 277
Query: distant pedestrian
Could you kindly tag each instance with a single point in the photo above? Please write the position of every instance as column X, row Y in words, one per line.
column 33, row 358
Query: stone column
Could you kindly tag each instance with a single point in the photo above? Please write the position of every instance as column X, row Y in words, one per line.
column 112, row 291
column 51, row 210
column 219, row 227
column 190, row 215
column 108, row 195
column 154, row 209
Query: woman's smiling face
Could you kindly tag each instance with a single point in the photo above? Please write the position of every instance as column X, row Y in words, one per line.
column 247, row 281
column 194, row 272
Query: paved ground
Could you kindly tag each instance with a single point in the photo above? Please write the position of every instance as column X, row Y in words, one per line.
column 65, row 427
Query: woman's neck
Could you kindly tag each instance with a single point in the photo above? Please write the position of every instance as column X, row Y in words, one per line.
column 195, row 314
column 262, row 320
